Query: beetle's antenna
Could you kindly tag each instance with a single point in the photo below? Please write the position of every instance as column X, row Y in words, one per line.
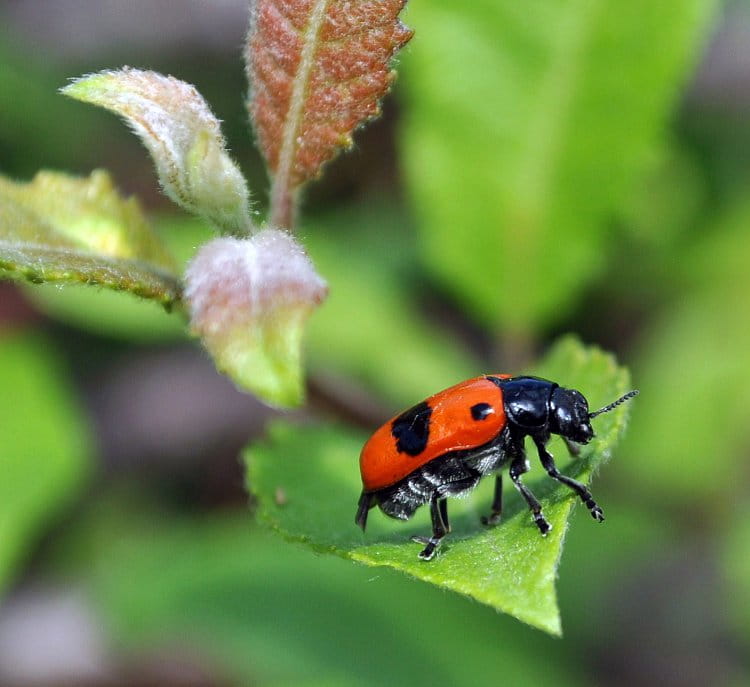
column 614, row 404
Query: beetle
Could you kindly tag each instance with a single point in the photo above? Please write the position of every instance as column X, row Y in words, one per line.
column 445, row 445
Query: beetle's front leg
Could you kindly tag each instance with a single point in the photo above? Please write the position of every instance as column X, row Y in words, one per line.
column 549, row 465
column 517, row 468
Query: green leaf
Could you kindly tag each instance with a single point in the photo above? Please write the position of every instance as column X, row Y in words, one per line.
column 274, row 614
column 63, row 229
column 45, row 452
column 526, row 124
column 108, row 313
column 692, row 369
column 307, row 483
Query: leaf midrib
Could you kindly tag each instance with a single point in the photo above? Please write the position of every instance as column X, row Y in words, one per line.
column 300, row 83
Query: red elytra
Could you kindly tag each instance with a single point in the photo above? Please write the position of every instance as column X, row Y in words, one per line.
column 384, row 462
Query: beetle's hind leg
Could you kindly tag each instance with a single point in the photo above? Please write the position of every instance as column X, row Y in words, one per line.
column 497, row 504
column 365, row 503
column 440, row 527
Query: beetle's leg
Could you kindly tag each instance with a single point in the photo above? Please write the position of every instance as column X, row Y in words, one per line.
column 443, row 503
column 549, row 465
column 517, row 468
column 365, row 503
column 497, row 504
column 573, row 448
column 439, row 528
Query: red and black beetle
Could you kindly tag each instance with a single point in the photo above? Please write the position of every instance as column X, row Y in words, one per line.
column 443, row 447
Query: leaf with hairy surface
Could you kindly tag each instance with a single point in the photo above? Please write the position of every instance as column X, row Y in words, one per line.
column 317, row 70
column 183, row 137
column 64, row 229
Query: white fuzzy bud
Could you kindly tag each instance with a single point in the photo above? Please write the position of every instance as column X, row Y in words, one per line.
column 249, row 300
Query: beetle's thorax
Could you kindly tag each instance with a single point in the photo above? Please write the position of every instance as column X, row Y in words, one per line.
column 527, row 403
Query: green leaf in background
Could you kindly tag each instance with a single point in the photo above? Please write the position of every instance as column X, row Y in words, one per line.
column 45, row 452
column 690, row 426
column 525, row 125
column 35, row 123
column 63, row 229
column 510, row 567
column 107, row 313
column 273, row 614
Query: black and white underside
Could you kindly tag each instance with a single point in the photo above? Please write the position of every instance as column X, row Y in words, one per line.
column 453, row 474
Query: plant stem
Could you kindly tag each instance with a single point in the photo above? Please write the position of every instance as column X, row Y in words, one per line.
column 284, row 203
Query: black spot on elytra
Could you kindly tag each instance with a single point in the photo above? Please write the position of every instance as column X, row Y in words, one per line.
column 480, row 411
column 411, row 429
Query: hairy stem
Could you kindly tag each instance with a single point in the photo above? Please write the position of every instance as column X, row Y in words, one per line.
column 284, row 203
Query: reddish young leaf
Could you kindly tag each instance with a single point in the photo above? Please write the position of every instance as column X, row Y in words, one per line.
column 317, row 70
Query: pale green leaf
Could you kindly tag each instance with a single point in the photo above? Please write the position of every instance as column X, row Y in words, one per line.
column 63, row 229
column 307, row 484
column 45, row 454
column 183, row 137
column 524, row 127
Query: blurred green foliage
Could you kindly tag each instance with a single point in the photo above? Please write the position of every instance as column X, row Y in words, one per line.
column 692, row 422
column 525, row 125
column 277, row 615
column 370, row 303
column 46, row 448
column 737, row 573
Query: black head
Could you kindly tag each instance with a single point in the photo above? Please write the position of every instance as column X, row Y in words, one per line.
column 570, row 416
